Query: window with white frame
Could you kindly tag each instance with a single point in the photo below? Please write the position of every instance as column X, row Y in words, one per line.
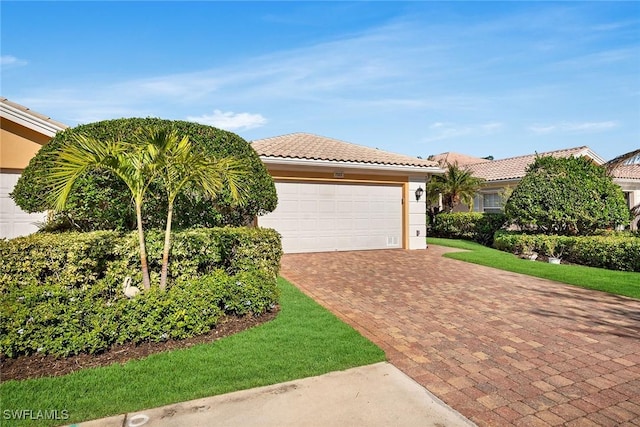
column 477, row 203
column 492, row 202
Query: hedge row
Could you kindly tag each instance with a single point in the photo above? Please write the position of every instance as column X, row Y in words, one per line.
column 476, row 226
column 613, row 252
column 81, row 259
column 62, row 294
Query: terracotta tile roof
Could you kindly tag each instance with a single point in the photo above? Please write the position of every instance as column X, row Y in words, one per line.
column 627, row 171
column 460, row 159
column 515, row 167
column 34, row 114
column 313, row 147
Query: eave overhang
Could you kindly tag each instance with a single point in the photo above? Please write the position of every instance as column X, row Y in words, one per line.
column 287, row 163
column 24, row 118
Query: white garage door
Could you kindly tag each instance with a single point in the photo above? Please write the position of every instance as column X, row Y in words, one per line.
column 320, row 217
column 14, row 221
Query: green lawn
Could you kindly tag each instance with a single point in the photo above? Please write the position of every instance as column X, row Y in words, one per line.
column 615, row 282
column 304, row 340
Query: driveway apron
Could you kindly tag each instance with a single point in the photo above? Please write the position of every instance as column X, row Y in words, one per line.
column 501, row 348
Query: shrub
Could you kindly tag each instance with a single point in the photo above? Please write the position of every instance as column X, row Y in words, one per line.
column 567, row 196
column 611, row 251
column 62, row 293
column 75, row 259
column 200, row 251
column 100, row 201
column 476, row 226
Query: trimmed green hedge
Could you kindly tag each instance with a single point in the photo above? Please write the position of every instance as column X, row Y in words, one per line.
column 101, row 201
column 613, row 252
column 62, row 293
column 570, row 196
column 477, row 226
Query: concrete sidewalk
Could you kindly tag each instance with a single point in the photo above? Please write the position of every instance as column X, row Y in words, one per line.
column 373, row 395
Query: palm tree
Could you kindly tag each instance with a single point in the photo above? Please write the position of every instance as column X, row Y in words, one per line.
column 133, row 163
column 456, row 186
column 179, row 165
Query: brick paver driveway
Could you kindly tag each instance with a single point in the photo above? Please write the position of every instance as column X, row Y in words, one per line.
column 499, row 347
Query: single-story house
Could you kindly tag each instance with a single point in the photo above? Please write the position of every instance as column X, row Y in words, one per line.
column 333, row 195
column 503, row 174
column 338, row 196
column 22, row 132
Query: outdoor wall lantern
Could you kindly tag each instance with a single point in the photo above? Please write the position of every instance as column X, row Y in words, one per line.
column 419, row 193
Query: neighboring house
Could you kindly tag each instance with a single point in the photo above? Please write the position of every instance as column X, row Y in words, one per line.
column 628, row 178
column 503, row 175
column 23, row 133
column 338, row 196
column 453, row 158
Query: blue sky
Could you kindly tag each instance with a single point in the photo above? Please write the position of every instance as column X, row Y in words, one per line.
column 418, row 78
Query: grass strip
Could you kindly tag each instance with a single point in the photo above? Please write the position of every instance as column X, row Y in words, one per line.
column 615, row 282
column 303, row 340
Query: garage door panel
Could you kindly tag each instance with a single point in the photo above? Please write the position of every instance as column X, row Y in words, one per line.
column 14, row 221
column 345, row 207
column 344, row 225
column 316, row 217
column 326, row 206
column 288, row 205
column 326, row 191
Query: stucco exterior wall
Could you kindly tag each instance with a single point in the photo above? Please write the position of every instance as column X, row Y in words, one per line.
column 17, row 149
column 417, row 221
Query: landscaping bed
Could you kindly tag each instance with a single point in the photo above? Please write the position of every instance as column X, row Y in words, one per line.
column 36, row 366
column 613, row 251
column 62, row 294
column 303, row 340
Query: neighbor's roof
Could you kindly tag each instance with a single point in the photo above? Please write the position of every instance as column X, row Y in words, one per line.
column 453, row 158
column 627, row 171
column 28, row 118
column 516, row 167
column 313, row 147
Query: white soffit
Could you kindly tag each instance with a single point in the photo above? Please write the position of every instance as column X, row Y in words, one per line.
column 29, row 120
column 290, row 162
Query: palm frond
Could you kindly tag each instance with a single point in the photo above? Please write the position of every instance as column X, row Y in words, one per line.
column 74, row 159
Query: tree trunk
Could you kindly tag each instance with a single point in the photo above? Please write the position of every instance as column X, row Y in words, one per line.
column 167, row 249
column 146, row 282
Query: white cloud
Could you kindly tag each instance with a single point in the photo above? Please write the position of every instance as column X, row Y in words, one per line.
column 491, row 127
column 7, row 61
column 543, row 129
column 573, row 127
column 440, row 131
column 591, row 126
column 230, row 121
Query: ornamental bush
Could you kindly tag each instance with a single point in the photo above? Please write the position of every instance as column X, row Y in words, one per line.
column 100, row 201
column 614, row 251
column 477, row 226
column 62, row 293
column 566, row 196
